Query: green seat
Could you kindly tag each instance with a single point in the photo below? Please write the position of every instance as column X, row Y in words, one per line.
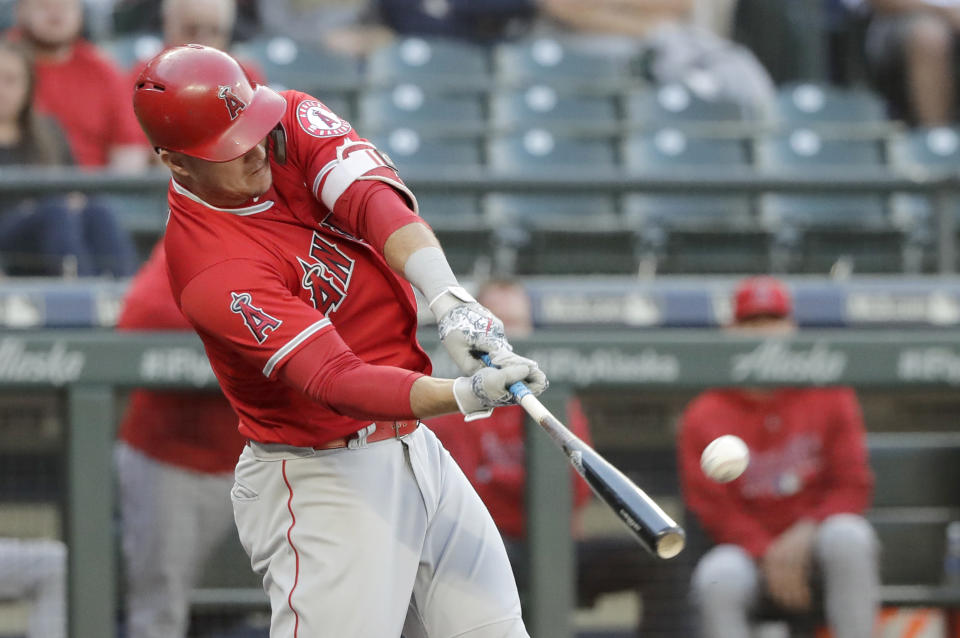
column 554, row 62
column 560, row 234
column 288, row 64
column 543, row 105
column 537, row 151
column 693, row 233
column 415, row 150
column 813, row 104
column 676, row 105
column 457, row 221
column 413, row 105
column 439, row 62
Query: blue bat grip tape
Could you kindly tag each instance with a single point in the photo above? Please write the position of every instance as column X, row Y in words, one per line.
column 517, row 389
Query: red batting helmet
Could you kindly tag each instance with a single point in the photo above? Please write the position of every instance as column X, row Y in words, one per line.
column 198, row 100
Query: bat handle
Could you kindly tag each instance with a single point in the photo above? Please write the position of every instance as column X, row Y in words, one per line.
column 518, row 389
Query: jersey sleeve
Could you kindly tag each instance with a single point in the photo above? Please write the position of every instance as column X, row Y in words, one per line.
column 337, row 163
column 245, row 306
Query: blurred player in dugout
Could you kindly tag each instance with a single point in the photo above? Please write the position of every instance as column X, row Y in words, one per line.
column 790, row 530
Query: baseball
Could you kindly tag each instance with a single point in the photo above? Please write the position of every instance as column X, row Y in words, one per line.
column 725, row 458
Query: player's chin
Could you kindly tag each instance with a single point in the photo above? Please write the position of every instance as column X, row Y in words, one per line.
column 259, row 181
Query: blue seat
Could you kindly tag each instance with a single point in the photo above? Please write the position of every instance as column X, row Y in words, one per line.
column 554, row 62
column 440, row 62
column 542, row 105
column 416, row 106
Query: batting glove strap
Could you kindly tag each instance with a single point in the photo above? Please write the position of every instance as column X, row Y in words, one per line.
column 469, row 330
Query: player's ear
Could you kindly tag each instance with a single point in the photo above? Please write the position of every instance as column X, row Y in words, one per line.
column 176, row 162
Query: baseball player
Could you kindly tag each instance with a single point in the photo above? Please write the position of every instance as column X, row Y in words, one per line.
column 291, row 247
column 793, row 522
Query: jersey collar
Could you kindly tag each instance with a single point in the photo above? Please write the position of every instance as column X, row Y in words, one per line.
column 242, row 211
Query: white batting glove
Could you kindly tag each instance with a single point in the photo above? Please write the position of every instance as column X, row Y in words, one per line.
column 467, row 329
column 489, row 387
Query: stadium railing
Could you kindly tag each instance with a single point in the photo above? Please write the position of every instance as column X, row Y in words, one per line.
column 941, row 186
column 88, row 367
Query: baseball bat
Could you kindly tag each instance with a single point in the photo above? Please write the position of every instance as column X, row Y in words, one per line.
column 650, row 525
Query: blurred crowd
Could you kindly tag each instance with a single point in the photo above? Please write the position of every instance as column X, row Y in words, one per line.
column 64, row 101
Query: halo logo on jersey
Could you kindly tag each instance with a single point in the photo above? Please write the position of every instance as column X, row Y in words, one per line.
column 234, row 104
column 259, row 322
column 319, row 121
column 327, row 275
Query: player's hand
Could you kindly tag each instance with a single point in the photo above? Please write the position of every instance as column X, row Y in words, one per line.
column 489, row 387
column 786, row 566
column 467, row 329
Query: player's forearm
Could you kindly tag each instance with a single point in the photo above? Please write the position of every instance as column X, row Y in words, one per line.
column 405, row 241
column 431, row 397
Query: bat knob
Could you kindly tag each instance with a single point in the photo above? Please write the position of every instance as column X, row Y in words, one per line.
column 671, row 544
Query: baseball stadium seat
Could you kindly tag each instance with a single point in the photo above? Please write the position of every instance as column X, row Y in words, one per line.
column 812, row 104
column 458, row 223
column 537, row 152
column 676, row 105
column 441, row 62
column 414, row 149
column 289, row 64
column 414, row 105
column 692, row 232
column 554, row 62
column 821, row 230
column 559, row 233
column 543, row 105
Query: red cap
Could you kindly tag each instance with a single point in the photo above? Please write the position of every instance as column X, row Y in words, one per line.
column 761, row 296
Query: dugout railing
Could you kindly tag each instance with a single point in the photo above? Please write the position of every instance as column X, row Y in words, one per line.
column 941, row 186
column 88, row 368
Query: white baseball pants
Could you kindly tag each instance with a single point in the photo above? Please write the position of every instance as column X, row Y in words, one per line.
column 173, row 519
column 726, row 583
column 35, row 570
column 379, row 540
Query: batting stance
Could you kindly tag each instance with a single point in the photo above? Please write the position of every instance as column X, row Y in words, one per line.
column 286, row 235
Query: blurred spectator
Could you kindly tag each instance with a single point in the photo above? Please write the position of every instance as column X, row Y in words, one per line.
column 143, row 16
column 350, row 27
column 481, row 22
column 35, row 570
column 54, row 235
column 175, row 458
column 80, row 87
column 912, row 50
column 491, row 451
column 791, row 526
column 632, row 19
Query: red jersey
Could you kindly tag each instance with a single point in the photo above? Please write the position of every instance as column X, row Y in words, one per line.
column 193, row 430
column 491, row 454
column 304, row 260
column 90, row 98
column 808, row 459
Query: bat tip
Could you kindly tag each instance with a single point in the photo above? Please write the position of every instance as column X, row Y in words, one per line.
column 671, row 544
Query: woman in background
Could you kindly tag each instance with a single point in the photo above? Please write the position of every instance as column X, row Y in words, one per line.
column 70, row 234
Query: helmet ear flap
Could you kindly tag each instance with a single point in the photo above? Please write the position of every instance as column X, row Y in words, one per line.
column 278, row 144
